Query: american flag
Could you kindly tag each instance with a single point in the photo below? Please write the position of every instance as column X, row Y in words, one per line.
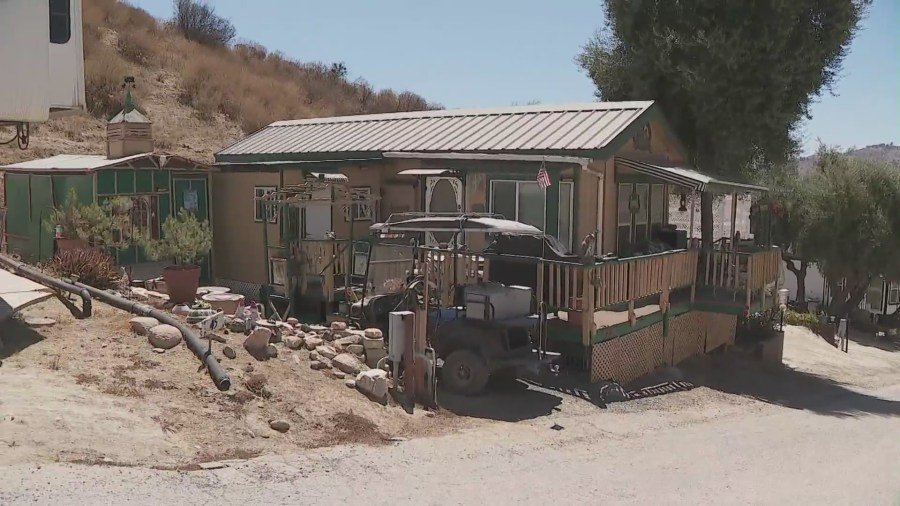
column 543, row 178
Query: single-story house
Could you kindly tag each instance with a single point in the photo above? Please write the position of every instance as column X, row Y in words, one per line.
column 612, row 167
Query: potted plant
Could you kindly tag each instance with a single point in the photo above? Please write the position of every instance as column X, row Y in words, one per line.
column 65, row 223
column 185, row 240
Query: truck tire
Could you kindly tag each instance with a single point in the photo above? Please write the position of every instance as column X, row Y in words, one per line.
column 465, row 372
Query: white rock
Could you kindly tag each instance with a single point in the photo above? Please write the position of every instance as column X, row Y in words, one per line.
column 164, row 336
column 141, row 325
column 338, row 325
column 346, row 362
column 348, row 340
column 373, row 383
column 292, row 321
column 338, row 373
column 293, row 342
column 257, row 342
column 350, row 383
column 373, row 333
column 326, row 351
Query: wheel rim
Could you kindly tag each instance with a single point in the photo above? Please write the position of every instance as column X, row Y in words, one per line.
column 463, row 372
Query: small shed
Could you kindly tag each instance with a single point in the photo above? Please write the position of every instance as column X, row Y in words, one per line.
column 158, row 184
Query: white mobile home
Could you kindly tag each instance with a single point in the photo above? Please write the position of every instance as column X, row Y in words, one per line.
column 41, row 60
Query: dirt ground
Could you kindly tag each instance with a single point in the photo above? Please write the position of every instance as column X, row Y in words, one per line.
column 93, row 391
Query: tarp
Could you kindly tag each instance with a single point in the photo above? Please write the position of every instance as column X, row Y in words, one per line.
column 17, row 293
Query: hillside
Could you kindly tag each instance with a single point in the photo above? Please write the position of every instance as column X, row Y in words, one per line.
column 199, row 98
column 882, row 152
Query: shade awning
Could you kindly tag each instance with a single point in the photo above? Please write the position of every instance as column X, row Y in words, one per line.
column 329, row 176
column 456, row 224
column 688, row 178
column 426, row 172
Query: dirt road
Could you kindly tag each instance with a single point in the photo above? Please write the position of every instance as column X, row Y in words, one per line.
column 823, row 429
column 778, row 455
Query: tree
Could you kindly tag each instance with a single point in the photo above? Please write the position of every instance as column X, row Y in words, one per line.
column 851, row 224
column 733, row 77
column 199, row 22
column 788, row 212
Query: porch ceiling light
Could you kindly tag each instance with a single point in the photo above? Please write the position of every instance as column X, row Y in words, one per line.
column 683, row 207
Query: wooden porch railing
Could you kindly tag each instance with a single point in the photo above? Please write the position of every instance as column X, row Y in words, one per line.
column 470, row 269
column 740, row 271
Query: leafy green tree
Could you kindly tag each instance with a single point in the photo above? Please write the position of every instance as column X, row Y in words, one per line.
column 734, row 77
column 851, row 223
column 788, row 213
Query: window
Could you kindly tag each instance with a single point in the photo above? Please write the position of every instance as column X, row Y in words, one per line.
column 624, row 213
column 144, row 215
column 641, row 208
column 60, row 21
column 564, row 234
column 657, row 205
column 524, row 201
column 362, row 210
column 261, row 208
column 894, row 292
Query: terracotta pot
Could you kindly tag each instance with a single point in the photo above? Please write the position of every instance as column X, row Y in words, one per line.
column 182, row 282
column 70, row 244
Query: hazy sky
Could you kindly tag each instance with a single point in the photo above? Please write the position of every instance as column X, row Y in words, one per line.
column 469, row 53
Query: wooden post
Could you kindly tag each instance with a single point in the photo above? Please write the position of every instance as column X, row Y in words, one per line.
column 749, row 277
column 587, row 305
column 631, row 316
column 734, row 259
column 691, row 229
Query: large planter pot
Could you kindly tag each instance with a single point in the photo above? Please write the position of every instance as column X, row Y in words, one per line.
column 182, row 282
column 70, row 244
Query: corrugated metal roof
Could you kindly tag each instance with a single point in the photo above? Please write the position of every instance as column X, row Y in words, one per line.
column 72, row 162
column 541, row 128
column 688, row 178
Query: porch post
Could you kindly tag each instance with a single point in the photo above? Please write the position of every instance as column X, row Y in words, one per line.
column 734, row 258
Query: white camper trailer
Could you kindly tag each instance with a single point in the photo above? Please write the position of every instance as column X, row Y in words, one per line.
column 41, row 60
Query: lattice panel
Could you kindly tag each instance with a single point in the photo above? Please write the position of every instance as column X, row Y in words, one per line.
column 686, row 337
column 720, row 329
column 628, row 357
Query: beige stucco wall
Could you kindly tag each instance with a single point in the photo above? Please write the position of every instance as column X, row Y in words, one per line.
column 237, row 238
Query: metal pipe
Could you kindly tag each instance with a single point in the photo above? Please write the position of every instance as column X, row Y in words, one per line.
column 216, row 372
column 26, row 271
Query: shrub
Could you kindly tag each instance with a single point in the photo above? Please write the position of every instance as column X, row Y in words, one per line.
column 67, row 217
column 757, row 327
column 89, row 266
column 104, row 70
column 808, row 320
column 185, row 239
column 199, row 22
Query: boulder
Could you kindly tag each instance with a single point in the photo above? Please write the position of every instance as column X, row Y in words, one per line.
column 373, row 383
column 327, row 335
column 292, row 321
column 305, row 327
column 373, row 333
column 326, row 351
column 350, row 383
column 338, row 373
column 356, row 349
column 313, row 355
column 229, row 352
column 338, row 325
column 141, row 325
column 164, row 336
column 257, row 342
column 346, row 362
column 348, row 340
column 280, row 425
column 271, row 351
column 313, row 342
column 293, row 342
column 237, row 325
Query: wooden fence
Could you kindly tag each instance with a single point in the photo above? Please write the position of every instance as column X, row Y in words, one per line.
column 747, row 272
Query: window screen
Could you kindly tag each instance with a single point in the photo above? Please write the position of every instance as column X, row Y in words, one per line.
column 503, row 198
column 60, row 21
column 894, row 293
column 531, row 205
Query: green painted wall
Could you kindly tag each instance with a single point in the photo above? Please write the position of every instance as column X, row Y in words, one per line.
column 30, row 198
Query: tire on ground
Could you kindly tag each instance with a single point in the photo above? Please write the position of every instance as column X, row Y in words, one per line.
column 465, row 372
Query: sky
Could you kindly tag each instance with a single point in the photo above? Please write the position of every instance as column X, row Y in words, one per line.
column 492, row 53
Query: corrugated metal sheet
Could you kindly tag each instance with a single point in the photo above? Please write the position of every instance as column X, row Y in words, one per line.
column 531, row 128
